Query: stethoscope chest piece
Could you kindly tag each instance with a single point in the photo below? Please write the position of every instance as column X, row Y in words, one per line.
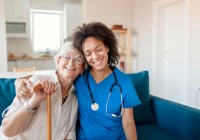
column 95, row 106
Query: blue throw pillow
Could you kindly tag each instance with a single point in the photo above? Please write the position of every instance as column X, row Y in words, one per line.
column 7, row 93
column 142, row 113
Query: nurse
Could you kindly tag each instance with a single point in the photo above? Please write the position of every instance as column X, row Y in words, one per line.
column 106, row 96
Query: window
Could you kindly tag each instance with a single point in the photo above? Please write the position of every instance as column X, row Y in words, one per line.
column 45, row 30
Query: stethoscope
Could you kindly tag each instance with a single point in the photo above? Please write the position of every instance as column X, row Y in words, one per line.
column 95, row 106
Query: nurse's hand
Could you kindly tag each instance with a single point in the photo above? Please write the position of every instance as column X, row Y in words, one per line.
column 22, row 92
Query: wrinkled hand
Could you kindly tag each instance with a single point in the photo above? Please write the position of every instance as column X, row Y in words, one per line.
column 46, row 88
column 22, row 92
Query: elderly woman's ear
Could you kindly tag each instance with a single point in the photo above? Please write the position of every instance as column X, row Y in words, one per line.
column 56, row 62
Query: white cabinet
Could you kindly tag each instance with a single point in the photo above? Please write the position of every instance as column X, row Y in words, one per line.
column 17, row 28
column 21, row 8
column 17, row 18
column 25, row 63
column 39, row 64
column 45, row 65
column 8, row 9
column 15, row 9
column 11, row 65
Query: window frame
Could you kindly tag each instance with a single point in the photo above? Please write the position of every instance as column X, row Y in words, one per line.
column 32, row 12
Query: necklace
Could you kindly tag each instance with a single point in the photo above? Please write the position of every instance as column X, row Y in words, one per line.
column 65, row 95
column 64, row 98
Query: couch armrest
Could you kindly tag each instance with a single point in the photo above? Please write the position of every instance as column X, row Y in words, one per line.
column 177, row 118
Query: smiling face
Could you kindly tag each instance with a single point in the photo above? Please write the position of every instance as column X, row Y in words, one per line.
column 96, row 53
column 69, row 63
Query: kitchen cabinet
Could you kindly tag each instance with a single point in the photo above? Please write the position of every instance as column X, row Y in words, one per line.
column 25, row 63
column 17, row 29
column 123, row 36
column 11, row 64
column 8, row 9
column 15, row 9
column 44, row 64
column 17, row 18
column 39, row 64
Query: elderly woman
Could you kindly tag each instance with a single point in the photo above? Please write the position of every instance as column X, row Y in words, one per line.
column 25, row 119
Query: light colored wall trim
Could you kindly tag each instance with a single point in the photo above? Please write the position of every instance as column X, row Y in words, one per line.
column 3, row 45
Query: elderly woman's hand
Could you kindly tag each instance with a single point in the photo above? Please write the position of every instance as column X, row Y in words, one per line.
column 47, row 86
column 39, row 94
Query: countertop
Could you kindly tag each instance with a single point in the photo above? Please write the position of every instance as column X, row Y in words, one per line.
column 30, row 58
column 22, row 74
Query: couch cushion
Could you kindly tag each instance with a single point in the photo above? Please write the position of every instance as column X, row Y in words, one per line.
column 180, row 119
column 142, row 113
column 7, row 93
column 154, row 132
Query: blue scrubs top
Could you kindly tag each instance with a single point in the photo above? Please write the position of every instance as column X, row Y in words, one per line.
column 97, row 124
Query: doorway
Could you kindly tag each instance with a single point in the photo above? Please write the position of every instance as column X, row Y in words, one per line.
column 170, row 50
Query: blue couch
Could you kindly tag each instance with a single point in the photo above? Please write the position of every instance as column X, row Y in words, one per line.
column 156, row 118
column 172, row 121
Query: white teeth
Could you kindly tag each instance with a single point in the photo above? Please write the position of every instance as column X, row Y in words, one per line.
column 69, row 68
column 97, row 62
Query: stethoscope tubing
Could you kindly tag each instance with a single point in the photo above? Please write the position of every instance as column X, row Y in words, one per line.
column 115, row 84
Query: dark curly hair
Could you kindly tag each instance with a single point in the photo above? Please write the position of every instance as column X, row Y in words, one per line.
column 101, row 32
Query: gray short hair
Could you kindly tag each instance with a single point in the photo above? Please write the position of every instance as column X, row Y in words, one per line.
column 66, row 47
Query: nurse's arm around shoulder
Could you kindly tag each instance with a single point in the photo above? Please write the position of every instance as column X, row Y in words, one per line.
column 128, row 123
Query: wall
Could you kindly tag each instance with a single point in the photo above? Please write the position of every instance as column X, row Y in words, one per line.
column 143, row 27
column 72, row 10
column 193, row 51
column 19, row 46
column 110, row 12
column 3, row 48
column 46, row 5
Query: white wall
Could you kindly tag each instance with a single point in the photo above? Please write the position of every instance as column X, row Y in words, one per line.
column 3, row 48
column 19, row 46
column 143, row 13
column 193, row 51
column 46, row 4
column 109, row 12
column 72, row 17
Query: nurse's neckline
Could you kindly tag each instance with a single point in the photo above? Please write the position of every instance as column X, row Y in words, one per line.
column 101, row 75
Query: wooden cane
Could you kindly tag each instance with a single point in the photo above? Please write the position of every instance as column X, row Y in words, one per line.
column 48, row 113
